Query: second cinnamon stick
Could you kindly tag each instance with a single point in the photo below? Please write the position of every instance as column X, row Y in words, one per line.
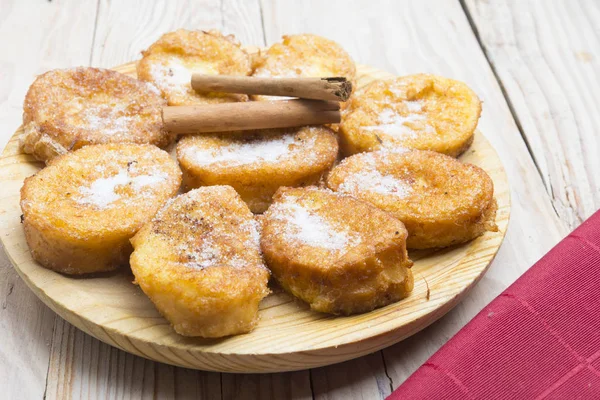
column 250, row 115
column 336, row 88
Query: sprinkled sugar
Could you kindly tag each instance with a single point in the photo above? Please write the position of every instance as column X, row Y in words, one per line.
column 313, row 230
column 102, row 192
column 171, row 76
column 279, row 66
column 254, row 229
column 209, row 254
column 211, row 241
column 370, row 179
column 109, row 125
column 306, row 227
column 413, row 105
column 374, row 181
column 394, row 124
column 105, row 118
column 174, row 76
column 243, row 153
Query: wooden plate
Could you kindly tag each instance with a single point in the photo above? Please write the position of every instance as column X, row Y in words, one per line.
column 289, row 335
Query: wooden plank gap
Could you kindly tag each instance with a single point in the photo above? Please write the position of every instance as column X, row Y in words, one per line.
column 94, row 33
column 264, row 34
column 385, row 369
column 221, row 385
column 49, row 362
column 508, row 100
column 222, row 12
column 310, row 381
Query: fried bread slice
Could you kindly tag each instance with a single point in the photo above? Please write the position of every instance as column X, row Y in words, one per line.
column 441, row 201
column 199, row 262
column 257, row 163
column 339, row 254
column 81, row 210
column 67, row 109
column 422, row 111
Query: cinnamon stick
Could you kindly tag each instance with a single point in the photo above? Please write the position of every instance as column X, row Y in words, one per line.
column 249, row 115
column 336, row 88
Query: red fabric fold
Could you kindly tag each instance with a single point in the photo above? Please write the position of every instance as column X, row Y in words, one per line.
column 539, row 339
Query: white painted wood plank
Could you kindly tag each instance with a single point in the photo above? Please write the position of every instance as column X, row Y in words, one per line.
column 33, row 34
column 289, row 385
column 83, row 367
column 547, row 56
column 125, row 28
column 435, row 36
column 363, row 378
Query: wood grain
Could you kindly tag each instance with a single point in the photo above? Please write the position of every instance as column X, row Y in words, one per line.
column 33, row 36
column 547, row 56
column 402, row 37
column 362, row 378
column 142, row 23
column 83, row 367
column 287, row 385
column 115, row 311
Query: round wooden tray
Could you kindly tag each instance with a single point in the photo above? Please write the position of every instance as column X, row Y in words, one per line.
column 289, row 335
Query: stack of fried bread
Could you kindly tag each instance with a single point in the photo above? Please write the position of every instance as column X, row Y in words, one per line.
column 340, row 207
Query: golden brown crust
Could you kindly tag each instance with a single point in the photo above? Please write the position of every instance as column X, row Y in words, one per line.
column 440, row 200
column 200, row 264
column 81, row 210
column 422, row 111
column 169, row 62
column 257, row 163
column 339, row 254
column 304, row 55
column 71, row 108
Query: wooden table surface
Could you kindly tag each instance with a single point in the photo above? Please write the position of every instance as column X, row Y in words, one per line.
column 534, row 63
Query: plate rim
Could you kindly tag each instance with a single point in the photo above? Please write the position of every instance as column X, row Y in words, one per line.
column 361, row 344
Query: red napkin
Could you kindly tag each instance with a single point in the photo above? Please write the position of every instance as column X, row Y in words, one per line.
column 539, row 339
